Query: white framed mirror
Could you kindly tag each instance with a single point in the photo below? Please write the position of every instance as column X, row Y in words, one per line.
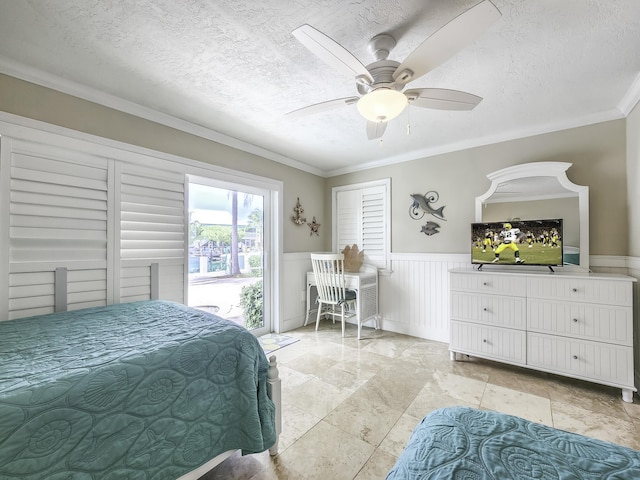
column 541, row 190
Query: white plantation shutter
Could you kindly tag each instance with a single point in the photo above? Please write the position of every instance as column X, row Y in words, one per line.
column 108, row 223
column 57, row 215
column 348, row 218
column 152, row 224
column 374, row 225
column 361, row 216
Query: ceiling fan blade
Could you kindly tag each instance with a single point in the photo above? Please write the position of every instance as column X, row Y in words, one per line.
column 442, row 99
column 447, row 41
column 331, row 52
column 322, row 107
column 375, row 129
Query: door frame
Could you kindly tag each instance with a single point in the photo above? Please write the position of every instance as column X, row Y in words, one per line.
column 271, row 191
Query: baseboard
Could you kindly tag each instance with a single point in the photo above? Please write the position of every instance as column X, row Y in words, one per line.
column 412, row 330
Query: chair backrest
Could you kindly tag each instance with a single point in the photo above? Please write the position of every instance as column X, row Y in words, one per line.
column 328, row 270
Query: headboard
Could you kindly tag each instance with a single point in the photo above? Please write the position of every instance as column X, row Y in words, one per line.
column 60, row 286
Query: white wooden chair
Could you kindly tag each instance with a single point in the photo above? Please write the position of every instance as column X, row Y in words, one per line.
column 328, row 270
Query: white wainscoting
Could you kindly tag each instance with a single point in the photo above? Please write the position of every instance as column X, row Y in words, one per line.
column 294, row 283
column 633, row 269
column 414, row 297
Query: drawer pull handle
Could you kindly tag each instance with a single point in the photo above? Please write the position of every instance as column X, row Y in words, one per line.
column 575, row 357
column 575, row 320
column 484, row 341
column 484, row 309
column 574, row 290
column 484, row 283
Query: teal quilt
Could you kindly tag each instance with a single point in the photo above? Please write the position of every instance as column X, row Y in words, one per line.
column 143, row 391
column 459, row 443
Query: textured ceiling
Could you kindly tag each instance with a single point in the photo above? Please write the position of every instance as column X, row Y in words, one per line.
column 234, row 68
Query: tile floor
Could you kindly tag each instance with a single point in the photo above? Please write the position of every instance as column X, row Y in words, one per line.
column 350, row 406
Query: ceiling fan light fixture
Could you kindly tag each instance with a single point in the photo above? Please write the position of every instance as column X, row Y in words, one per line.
column 382, row 104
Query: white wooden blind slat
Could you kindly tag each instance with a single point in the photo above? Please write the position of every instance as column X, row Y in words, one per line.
column 57, row 179
column 54, row 190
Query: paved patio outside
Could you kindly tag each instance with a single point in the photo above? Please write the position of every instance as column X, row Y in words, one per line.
column 218, row 294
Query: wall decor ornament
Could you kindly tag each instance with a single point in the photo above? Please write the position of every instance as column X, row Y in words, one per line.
column 423, row 205
column 430, row 228
column 298, row 219
column 314, row 226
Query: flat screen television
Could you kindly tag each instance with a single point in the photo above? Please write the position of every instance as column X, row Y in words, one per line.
column 517, row 242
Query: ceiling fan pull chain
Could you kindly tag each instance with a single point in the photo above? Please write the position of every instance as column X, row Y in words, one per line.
column 408, row 122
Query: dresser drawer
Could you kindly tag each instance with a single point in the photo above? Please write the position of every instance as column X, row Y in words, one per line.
column 489, row 342
column 606, row 363
column 505, row 311
column 604, row 323
column 581, row 289
column 486, row 283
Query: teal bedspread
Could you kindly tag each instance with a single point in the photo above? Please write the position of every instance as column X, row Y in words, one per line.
column 459, row 443
column 142, row 391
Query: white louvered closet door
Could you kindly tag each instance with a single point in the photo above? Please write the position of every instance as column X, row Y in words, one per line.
column 56, row 203
column 374, row 225
column 151, row 224
column 361, row 217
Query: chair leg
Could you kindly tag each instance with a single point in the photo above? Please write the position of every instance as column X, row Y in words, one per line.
column 319, row 315
column 342, row 317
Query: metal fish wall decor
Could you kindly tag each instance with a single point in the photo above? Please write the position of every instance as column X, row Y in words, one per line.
column 423, row 205
column 430, row 228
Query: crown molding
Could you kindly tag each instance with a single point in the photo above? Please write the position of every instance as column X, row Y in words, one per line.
column 631, row 98
column 83, row 92
column 540, row 129
column 39, row 77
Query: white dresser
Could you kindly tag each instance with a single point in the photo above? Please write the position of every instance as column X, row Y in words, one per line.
column 572, row 324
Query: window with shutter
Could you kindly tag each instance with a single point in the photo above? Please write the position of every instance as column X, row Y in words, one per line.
column 107, row 220
column 151, row 224
column 361, row 216
column 56, row 209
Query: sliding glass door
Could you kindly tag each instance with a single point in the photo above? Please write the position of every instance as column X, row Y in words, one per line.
column 229, row 249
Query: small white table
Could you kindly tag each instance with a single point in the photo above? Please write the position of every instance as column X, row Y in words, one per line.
column 364, row 283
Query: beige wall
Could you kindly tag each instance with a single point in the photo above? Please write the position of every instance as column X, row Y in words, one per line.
column 601, row 155
column 633, row 179
column 39, row 103
column 597, row 153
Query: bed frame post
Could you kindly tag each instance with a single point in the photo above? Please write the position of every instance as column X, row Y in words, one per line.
column 274, row 390
column 60, row 290
column 155, row 281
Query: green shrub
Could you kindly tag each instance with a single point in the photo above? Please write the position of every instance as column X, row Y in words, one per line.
column 255, row 262
column 251, row 303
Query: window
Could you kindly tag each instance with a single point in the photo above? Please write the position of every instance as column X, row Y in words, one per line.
column 218, row 278
column 361, row 216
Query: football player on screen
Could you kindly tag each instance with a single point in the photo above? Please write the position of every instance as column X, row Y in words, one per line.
column 488, row 241
column 530, row 238
column 509, row 237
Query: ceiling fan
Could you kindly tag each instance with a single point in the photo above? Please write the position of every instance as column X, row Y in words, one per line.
column 380, row 84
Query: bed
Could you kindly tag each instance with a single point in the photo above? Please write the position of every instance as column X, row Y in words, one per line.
column 145, row 390
column 465, row 443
